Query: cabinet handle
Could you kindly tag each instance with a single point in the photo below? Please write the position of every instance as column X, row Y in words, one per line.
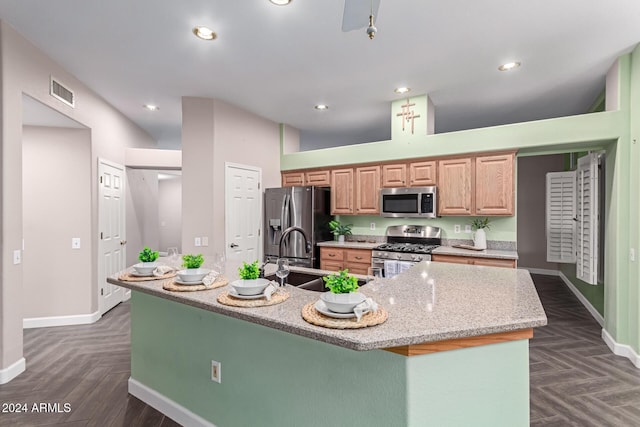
column 358, row 257
column 332, row 254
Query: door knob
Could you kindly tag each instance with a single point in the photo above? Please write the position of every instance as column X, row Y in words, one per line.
column 123, row 242
column 233, row 245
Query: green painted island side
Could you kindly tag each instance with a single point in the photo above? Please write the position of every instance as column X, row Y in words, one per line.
column 273, row 378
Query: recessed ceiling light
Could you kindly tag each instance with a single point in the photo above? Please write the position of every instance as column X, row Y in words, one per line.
column 402, row 89
column 509, row 66
column 151, row 107
column 280, row 2
column 321, row 107
column 204, row 33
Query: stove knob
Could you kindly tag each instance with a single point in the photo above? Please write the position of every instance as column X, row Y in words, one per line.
column 398, row 256
column 417, row 257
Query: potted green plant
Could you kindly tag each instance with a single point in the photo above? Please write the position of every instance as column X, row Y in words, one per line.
column 339, row 230
column 250, row 283
column 479, row 225
column 148, row 263
column 343, row 293
column 192, row 273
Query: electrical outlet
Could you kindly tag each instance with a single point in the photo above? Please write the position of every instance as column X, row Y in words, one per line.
column 205, row 241
column 372, row 226
column 467, row 229
column 197, row 241
column 216, row 371
column 75, row 243
column 456, row 228
column 632, row 254
column 17, row 256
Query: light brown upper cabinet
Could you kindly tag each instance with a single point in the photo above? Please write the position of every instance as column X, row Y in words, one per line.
column 320, row 178
column 367, row 190
column 394, row 175
column 455, row 184
column 495, row 184
column 422, row 174
column 342, row 192
column 292, row 179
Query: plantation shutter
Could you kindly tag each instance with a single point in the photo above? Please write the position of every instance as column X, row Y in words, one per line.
column 561, row 214
column 587, row 214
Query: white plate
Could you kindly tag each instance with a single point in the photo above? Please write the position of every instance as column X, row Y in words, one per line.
column 234, row 294
column 180, row 282
column 322, row 308
column 136, row 274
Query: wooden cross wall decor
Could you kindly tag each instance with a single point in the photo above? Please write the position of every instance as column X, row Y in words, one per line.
column 407, row 114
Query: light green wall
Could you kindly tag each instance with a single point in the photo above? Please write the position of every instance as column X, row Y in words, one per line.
column 273, row 378
column 502, row 228
column 617, row 130
column 593, row 293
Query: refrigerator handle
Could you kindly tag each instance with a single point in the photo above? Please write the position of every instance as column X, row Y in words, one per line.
column 285, row 216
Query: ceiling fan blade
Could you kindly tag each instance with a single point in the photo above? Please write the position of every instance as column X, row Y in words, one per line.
column 356, row 13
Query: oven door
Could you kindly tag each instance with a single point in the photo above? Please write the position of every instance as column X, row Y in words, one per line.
column 392, row 268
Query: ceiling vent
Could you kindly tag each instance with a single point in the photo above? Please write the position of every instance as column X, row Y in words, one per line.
column 59, row 91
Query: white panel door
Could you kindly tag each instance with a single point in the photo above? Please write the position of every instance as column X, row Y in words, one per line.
column 243, row 212
column 112, row 239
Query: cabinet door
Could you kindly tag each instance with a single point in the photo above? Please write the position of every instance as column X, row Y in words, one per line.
column 319, row 178
column 291, row 179
column 331, row 265
column 494, row 185
column 368, row 190
column 394, row 176
column 422, row 174
column 358, row 256
column 355, row 268
column 454, row 186
column 342, row 192
column 331, row 254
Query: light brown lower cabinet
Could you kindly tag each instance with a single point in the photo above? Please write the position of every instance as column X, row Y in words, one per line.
column 357, row 261
column 490, row 262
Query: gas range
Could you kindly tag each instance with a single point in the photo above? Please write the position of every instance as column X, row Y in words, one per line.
column 406, row 245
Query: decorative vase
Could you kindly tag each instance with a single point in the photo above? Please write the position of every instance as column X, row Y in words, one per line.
column 480, row 239
column 341, row 238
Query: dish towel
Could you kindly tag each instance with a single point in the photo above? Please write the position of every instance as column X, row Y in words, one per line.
column 161, row 270
column 364, row 307
column 271, row 288
column 404, row 266
column 390, row 268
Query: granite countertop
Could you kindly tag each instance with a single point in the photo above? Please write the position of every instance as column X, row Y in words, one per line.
column 430, row 302
column 349, row 245
column 486, row 253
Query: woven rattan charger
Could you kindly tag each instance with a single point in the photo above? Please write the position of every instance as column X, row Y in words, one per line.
column 172, row 285
column 313, row 316
column 128, row 277
column 278, row 296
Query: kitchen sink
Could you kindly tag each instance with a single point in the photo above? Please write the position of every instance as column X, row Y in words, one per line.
column 308, row 281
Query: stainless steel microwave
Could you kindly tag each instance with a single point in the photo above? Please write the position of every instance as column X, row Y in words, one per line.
column 408, row 202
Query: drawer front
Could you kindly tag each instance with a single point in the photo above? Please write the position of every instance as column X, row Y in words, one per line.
column 452, row 259
column 358, row 256
column 331, row 254
column 357, row 268
column 495, row 262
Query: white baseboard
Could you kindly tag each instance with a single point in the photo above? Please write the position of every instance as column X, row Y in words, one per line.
column 621, row 349
column 12, row 371
column 543, row 271
column 45, row 322
column 168, row 407
column 582, row 299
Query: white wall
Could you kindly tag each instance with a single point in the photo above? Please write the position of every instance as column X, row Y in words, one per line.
column 170, row 212
column 56, row 168
column 142, row 212
column 532, row 241
column 26, row 70
column 214, row 132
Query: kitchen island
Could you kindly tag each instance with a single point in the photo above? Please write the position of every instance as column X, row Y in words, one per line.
column 454, row 351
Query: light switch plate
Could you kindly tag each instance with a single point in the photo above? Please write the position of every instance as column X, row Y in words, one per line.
column 216, row 371
column 205, row 241
column 372, row 226
column 75, row 243
column 467, row 229
column 17, row 256
column 197, row 241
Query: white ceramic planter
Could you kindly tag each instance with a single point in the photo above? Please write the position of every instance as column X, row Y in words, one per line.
column 480, row 239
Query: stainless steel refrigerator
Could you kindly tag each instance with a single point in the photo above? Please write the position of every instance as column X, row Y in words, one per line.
column 304, row 207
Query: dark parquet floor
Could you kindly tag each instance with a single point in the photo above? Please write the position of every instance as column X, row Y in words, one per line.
column 575, row 379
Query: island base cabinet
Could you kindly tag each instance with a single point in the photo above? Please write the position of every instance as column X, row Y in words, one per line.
column 311, row 383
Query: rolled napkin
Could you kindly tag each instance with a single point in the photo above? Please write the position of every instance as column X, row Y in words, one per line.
column 271, row 288
column 210, row 278
column 161, row 270
column 364, row 307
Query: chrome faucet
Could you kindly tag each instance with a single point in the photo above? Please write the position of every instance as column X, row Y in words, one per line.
column 290, row 230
